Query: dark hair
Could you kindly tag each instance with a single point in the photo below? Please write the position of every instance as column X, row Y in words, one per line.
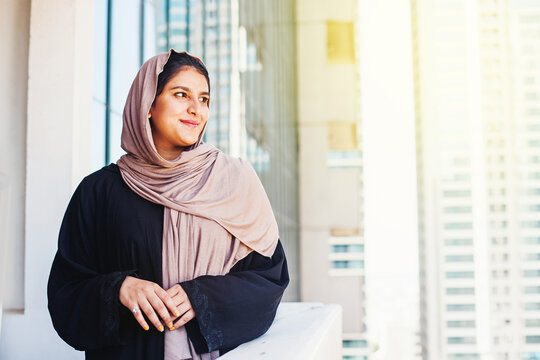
column 176, row 62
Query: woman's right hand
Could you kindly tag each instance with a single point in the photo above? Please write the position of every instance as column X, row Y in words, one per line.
column 148, row 297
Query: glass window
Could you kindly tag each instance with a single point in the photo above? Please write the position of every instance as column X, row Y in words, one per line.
column 530, row 224
column 355, row 248
column 458, row 242
column 460, row 291
column 530, row 356
column 532, row 322
column 531, row 290
column 531, row 240
column 461, row 324
column 458, row 226
column 460, row 307
column 457, row 209
column 356, row 343
column 347, row 264
column 532, row 339
column 340, row 42
column 460, row 274
column 531, row 273
column 532, row 257
column 459, row 258
column 461, row 340
column 457, row 193
column 463, row 356
column 531, row 306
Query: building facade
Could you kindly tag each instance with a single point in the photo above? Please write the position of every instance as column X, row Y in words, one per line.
column 331, row 205
column 477, row 99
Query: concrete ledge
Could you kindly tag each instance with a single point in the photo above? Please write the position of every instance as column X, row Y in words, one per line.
column 300, row 331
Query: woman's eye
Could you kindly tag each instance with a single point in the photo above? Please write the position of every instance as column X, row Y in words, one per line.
column 180, row 94
column 204, row 99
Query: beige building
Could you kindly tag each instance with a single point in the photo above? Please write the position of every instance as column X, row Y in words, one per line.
column 477, row 109
column 330, row 157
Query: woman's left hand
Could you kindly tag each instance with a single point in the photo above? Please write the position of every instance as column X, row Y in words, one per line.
column 181, row 300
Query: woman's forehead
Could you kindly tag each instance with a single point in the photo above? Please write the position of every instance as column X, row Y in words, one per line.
column 190, row 78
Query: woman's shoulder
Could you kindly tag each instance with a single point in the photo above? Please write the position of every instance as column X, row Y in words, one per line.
column 107, row 176
column 236, row 163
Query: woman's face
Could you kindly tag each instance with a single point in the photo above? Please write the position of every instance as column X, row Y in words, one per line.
column 179, row 113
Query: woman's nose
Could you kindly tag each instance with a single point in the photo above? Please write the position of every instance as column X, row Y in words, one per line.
column 193, row 107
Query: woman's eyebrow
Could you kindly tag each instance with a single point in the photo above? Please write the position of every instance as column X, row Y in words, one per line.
column 188, row 89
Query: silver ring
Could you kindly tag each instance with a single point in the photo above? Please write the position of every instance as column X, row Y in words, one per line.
column 134, row 310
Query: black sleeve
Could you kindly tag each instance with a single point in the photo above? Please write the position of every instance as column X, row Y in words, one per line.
column 237, row 307
column 83, row 302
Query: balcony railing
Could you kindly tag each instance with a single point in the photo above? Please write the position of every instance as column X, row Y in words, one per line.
column 301, row 331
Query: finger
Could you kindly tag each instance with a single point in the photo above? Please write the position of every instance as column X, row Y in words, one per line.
column 174, row 290
column 160, row 309
column 150, row 313
column 167, row 299
column 184, row 308
column 188, row 316
column 137, row 314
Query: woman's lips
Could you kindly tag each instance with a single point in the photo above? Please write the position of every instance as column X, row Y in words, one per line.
column 190, row 123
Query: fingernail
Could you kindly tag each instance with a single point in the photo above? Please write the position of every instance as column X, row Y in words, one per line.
column 161, row 328
column 176, row 313
column 169, row 324
column 172, row 328
column 146, row 327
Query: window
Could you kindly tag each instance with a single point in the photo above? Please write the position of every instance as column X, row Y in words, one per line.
column 530, row 224
column 354, row 343
column 459, row 258
column 460, row 274
column 461, row 324
column 348, row 248
column 458, row 242
column 532, row 257
column 340, row 42
column 531, row 290
column 531, row 240
column 532, row 339
column 463, row 356
column 460, row 307
column 346, row 253
column 532, row 322
column 530, row 356
column 531, row 306
column 337, row 159
column 347, row 264
column 458, row 226
column 457, row 209
column 531, row 273
column 457, row 193
column 461, row 340
column 460, row 291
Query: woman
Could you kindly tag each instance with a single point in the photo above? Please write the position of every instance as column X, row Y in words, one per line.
column 173, row 252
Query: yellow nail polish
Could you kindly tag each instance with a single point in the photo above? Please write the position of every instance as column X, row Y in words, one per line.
column 172, row 328
column 160, row 328
column 176, row 313
column 146, row 328
column 169, row 324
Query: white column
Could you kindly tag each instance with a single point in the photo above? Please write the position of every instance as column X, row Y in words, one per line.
column 57, row 157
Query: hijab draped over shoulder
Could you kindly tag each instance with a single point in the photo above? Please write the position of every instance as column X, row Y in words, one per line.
column 202, row 182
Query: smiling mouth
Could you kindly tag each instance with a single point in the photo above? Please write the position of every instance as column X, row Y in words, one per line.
column 190, row 123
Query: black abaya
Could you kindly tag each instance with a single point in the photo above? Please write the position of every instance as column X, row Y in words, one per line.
column 108, row 233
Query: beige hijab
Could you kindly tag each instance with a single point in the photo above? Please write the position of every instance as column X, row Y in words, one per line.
column 202, row 181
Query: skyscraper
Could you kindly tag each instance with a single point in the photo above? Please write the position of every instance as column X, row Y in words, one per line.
column 477, row 153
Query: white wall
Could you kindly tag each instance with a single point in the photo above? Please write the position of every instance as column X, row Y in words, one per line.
column 58, row 85
column 14, row 26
